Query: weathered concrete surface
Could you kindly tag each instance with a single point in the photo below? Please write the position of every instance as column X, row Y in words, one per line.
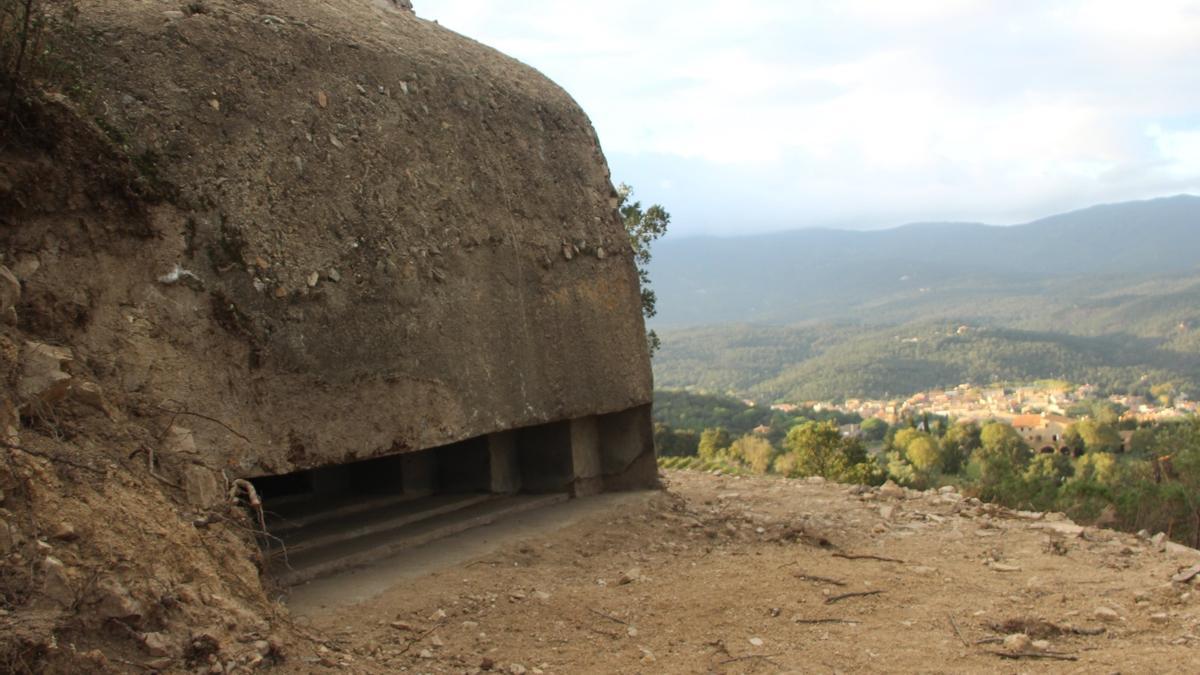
column 585, row 457
column 504, row 462
column 394, row 237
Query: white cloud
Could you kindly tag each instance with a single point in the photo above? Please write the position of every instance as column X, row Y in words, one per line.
column 1180, row 151
column 870, row 110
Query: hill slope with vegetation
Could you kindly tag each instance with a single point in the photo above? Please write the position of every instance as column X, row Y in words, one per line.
column 1108, row 295
column 1095, row 260
column 834, row 361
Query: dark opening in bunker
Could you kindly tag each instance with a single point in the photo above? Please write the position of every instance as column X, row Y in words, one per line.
column 458, row 469
column 336, row 516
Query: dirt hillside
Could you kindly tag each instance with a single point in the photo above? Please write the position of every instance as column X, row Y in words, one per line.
column 758, row 575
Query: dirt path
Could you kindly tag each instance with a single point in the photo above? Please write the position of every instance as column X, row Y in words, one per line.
column 722, row 574
column 357, row 586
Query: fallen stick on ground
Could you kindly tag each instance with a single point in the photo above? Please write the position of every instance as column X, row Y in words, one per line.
column 843, row 596
column 418, row 639
column 954, row 625
column 822, row 580
column 135, row 664
column 1053, row 656
column 849, row 556
column 749, row 657
column 1041, row 628
column 607, row 616
column 824, row 621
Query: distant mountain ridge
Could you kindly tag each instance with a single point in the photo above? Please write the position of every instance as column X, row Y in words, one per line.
column 1108, row 295
column 926, row 270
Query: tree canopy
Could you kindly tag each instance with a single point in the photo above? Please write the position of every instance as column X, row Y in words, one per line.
column 643, row 227
column 819, row 449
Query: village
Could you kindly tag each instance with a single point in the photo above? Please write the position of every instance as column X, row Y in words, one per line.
column 969, row 402
column 1041, row 413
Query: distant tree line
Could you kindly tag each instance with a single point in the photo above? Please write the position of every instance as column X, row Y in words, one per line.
column 1150, row 481
column 681, row 416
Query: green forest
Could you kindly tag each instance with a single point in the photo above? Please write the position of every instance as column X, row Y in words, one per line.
column 837, row 361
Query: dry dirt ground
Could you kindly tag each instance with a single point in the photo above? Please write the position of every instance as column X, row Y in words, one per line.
column 760, row 575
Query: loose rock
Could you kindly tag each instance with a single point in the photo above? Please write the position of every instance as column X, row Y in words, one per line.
column 1187, row 574
column 92, row 395
column 890, row 489
column 1159, row 541
column 201, row 486
column 156, row 644
column 1017, row 642
column 634, row 574
column 65, row 531
column 10, row 295
column 115, row 602
column 7, row 540
column 179, row 440
column 56, row 583
column 42, row 377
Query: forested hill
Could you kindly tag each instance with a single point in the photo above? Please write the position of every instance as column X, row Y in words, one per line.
column 824, row 362
column 1077, row 265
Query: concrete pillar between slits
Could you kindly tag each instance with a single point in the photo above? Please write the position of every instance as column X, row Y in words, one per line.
column 505, row 464
column 585, row 457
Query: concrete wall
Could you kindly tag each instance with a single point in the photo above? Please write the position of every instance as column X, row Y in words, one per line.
column 627, row 449
column 471, row 277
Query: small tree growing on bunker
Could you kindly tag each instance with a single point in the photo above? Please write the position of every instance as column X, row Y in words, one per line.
column 643, row 227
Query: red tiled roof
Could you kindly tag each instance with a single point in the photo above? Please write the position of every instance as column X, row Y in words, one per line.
column 1030, row 421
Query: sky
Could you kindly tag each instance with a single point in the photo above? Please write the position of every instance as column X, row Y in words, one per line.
column 761, row 115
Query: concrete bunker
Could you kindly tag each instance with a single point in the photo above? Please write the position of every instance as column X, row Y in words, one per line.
column 332, row 517
column 467, row 318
